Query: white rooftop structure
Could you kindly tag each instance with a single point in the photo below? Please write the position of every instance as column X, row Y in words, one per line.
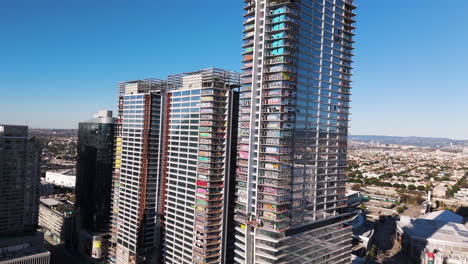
column 444, row 216
column 65, row 178
column 439, row 236
column 103, row 114
column 50, row 201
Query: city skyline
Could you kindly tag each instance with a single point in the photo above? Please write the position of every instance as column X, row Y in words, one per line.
column 88, row 56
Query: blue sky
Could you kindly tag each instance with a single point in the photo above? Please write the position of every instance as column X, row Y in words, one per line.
column 61, row 59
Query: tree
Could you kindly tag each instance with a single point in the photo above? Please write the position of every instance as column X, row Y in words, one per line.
column 421, row 188
column 387, row 184
column 363, row 207
column 372, row 253
column 401, row 209
column 428, row 187
column 396, row 185
column 411, row 187
column 356, row 187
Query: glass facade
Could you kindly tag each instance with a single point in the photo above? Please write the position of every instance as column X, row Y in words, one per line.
column 94, row 173
column 293, row 131
column 94, row 167
column 19, row 181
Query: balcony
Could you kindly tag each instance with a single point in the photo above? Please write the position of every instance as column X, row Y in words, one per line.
column 248, row 35
column 282, row 2
column 247, row 66
column 205, row 184
column 279, row 101
column 276, row 182
column 279, row 85
column 274, row 226
column 208, row 226
column 281, row 10
column 280, row 68
column 246, row 88
column 207, row 236
column 282, row 27
column 281, row 52
column 279, row 77
column 208, row 216
column 282, row 35
column 274, row 216
column 205, row 253
column 285, row 199
column 273, row 191
column 244, row 178
column 282, row 19
column 278, row 209
column 249, row 5
column 248, row 20
column 248, row 28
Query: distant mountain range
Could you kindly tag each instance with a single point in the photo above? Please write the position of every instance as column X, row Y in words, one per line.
column 414, row 141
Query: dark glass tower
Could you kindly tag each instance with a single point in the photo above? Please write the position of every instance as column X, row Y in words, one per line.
column 19, row 181
column 20, row 159
column 93, row 183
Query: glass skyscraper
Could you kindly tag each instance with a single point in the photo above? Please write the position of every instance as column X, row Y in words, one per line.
column 19, row 181
column 20, row 162
column 294, row 103
column 93, row 185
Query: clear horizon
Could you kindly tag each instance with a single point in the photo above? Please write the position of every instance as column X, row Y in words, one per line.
column 63, row 60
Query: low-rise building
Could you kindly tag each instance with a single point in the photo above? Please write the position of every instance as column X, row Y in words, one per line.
column 55, row 219
column 439, row 191
column 23, row 250
column 363, row 233
column 435, row 238
column 354, row 197
column 65, row 178
column 462, row 194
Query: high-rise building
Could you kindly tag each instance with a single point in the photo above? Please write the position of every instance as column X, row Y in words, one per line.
column 19, row 197
column 294, row 102
column 200, row 119
column 19, row 181
column 137, row 171
column 173, row 168
column 95, row 155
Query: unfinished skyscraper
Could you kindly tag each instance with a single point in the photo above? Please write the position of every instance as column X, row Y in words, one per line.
column 173, row 168
column 290, row 191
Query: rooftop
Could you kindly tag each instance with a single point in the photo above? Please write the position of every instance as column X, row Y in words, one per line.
column 444, row 216
column 50, row 201
column 441, row 226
